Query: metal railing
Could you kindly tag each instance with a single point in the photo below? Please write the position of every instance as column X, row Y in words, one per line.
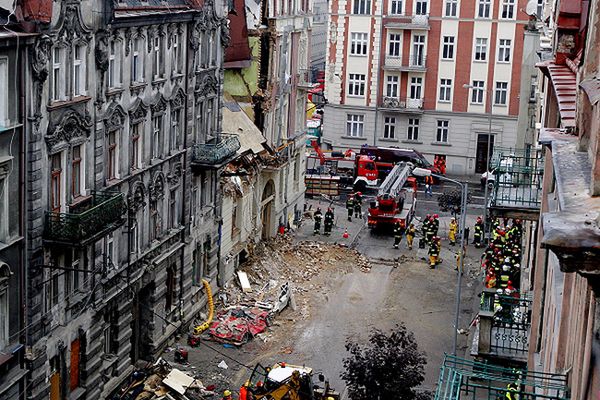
column 215, row 153
column 517, row 180
column 304, row 79
column 412, row 62
column 403, row 21
column 401, row 102
column 94, row 218
column 466, row 379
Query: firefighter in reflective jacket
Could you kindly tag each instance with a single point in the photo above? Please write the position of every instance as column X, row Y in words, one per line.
column 477, row 235
column 328, row 221
column 434, row 252
column 350, row 207
column 435, row 224
column 453, row 228
column 318, row 217
column 511, row 392
column 410, row 235
column 429, row 231
column 398, row 232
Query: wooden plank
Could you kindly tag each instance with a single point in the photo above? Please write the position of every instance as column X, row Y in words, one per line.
column 244, row 282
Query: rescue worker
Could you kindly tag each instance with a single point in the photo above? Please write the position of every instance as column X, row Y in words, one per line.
column 398, row 232
column 478, row 232
column 410, row 235
column 244, row 391
column 429, row 185
column 459, row 256
column 435, row 223
column 505, row 276
column 429, row 232
column 434, row 252
column 350, row 207
column 227, row 395
column 328, row 221
column 452, row 229
column 357, row 208
column 318, row 218
column 424, row 225
column 511, row 392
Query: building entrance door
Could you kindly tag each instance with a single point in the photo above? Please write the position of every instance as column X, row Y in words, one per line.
column 481, row 160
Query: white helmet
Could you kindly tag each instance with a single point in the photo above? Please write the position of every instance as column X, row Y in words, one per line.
column 505, row 268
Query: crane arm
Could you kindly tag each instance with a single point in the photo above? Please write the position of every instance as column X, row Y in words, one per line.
column 318, row 150
column 395, row 179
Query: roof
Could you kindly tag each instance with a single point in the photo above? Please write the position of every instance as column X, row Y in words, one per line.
column 239, row 47
column 237, row 122
column 564, row 83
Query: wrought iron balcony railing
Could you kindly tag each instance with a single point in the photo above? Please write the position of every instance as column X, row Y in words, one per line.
column 414, row 62
column 405, row 21
column 401, row 103
column 214, row 155
column 90, row 220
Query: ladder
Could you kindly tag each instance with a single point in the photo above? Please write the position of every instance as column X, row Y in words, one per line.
column 395, row 179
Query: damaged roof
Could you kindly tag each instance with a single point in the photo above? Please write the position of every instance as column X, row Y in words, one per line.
column 237, row 122
column 564, row 83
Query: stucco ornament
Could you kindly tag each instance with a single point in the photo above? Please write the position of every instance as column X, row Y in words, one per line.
column 225, row 33
column 157, row 187
column 160, row 104
column 39, row 52
column 115, row 118
column 178, row 99
column 206, row 85
column 136, row 197
column 71, row 26
column 333, row 32
column 72, row 126
column 175, row 175
column 138, row 111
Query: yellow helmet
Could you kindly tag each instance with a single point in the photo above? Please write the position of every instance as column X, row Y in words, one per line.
column 247, row 383
column 227, row 393
column 330, row 398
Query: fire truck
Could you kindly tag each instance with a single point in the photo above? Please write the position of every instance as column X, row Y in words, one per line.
column 396, row 198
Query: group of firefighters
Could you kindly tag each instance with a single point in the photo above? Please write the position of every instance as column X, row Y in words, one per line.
column 353, row 205
column 502, row 258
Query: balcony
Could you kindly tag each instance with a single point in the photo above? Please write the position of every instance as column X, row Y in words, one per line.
column 466, row 379
column 89, row 221
column 215, row 155
column 516, row 183
column 414, row 22
column 503, row 331
column 413, row 62
column 402, row 104
column 304, row 79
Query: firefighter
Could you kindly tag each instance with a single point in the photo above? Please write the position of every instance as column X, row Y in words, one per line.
column 318, row 217
column 410, row 235
column 424, row 225
column 429, row 185
column 434, row 252
column 429, row 232
column 453, row 228
column 505, row 276
column 245, row 391
column 478, row 232
column 227, row 395
column 357, row 208
column 459, row 256
column 398, row 232
column 435, row 223
column 350, row 207
column 328, row 221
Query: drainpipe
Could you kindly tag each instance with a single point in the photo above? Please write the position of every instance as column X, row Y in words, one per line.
column 22, row 196
column 381, row 51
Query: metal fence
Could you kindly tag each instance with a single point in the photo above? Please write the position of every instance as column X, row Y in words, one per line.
column 466, row 379
column 401, row 103
column 102, row 213
column 215, row 153
column 412, row 62
column 517, row 180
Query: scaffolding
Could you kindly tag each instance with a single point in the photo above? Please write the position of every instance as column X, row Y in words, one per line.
column 517, row 182
column 462, row 379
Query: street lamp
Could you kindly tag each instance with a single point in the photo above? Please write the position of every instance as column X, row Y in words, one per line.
column 421, row 172
column 488, row 95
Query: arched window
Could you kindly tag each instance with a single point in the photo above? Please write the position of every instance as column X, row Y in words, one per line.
column 5, row 274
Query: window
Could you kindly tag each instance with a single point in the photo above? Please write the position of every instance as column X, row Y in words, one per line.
column 540, row 9
column 111, row 343
column 504, row 50
column 114, row 68
column 356, row 85
column 358, row 43
column 76, row 178
column 355, row 125
column 175, row 129
column 113, row 157
column 198, row 128
column 57, row 79
column 154, row 220
column 451, row 8
column 416, row 85
column 445, row 89
column 4, row 232
column 391, row 89
column 508, row 9
column 421, row 7
column 56, row 182
column 4, row 309
column 78, row 71
column 413, row 129
column 170, row 294
column 396, row 7
column 173, row 214
column 362, row 7
column 4, row 120
column 395, row 45
column 533, row 88
column 209, row 118
column 137, row 61
column 483, row 10
column 136, row 156
column 156, row 59
column 477, row 92
column 418, row 56
column 389, row 128
column 176, row 54
column 442, row 131
column 480, row 49
column 156, row 136
column 134, row 237
column 448, row 49
column 501, row 93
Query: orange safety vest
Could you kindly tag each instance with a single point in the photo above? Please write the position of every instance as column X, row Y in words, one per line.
column 429, row 180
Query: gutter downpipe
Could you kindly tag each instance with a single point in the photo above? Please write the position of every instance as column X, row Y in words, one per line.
column 378, row 80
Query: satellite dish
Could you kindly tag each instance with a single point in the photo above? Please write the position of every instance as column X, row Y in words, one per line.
column 531, row 8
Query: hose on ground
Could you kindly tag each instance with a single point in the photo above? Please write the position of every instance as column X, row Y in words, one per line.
column 211, row 309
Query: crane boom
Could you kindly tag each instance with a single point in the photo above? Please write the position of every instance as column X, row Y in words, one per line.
column 395, row 179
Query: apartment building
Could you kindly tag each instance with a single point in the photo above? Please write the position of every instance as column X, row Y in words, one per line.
column 565, row 328
column 318, row 40
column 427, row 74
column 122, row 205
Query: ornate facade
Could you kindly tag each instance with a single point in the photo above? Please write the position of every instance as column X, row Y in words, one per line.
column 121, row 229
